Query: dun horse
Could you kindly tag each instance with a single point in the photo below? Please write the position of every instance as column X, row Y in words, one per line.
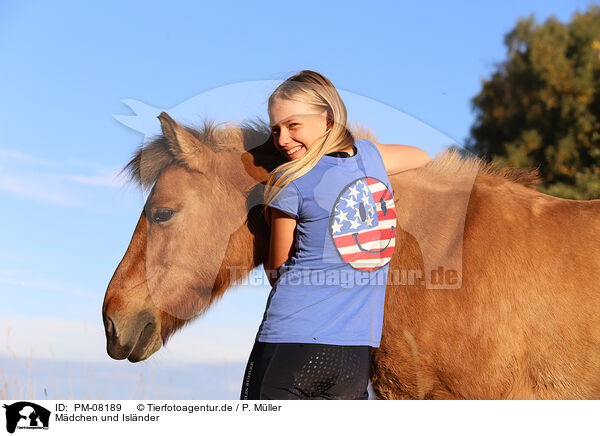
column 515, row 314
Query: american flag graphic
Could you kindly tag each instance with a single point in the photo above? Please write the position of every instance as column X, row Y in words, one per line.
column 363, row 224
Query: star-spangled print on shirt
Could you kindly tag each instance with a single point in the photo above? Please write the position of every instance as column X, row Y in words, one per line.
column 348, row 210
column 363, row 224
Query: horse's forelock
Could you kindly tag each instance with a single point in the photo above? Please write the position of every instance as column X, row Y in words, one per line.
column 155, row 155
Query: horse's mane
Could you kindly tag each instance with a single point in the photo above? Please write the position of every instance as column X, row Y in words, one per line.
column 455, row 161
column 152, row 157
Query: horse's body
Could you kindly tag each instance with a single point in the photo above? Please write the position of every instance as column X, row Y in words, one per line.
column 518, row 317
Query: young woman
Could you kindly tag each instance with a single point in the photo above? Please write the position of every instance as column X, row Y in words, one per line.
column 332, row 219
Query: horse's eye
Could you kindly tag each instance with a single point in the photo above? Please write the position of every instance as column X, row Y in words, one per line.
column 383, row 206
column 362, row 211
column 162, row 214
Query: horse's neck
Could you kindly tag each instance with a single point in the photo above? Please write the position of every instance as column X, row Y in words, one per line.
column 248, row 245
column 247, row 248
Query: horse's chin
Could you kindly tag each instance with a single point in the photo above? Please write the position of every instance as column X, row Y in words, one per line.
column 142, row 351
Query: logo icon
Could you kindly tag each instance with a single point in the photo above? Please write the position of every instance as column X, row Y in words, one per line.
column 26, row 415
column 363, row 224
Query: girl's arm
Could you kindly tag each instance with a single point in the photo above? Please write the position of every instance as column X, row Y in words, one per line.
column 397, row 158
column 281, row 244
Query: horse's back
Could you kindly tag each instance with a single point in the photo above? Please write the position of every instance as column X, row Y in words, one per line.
column 526, row 321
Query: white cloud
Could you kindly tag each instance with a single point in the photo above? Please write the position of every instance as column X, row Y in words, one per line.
column 42, row 285
column 57, row 183
column 11, row 155
column 11, row 272
column 38, row 187
column 109, row 180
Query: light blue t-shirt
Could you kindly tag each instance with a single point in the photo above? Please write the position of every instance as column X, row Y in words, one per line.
column 332, row 288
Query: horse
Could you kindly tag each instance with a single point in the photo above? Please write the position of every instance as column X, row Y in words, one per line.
column 492, row 290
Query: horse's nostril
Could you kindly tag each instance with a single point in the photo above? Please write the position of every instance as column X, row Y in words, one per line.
column 110, row 326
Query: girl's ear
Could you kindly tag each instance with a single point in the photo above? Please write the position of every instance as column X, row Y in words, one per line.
column 329, row 115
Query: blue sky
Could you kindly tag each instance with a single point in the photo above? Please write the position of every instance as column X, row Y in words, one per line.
column 407, row 70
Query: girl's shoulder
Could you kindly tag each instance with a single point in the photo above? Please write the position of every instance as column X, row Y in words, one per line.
column 367, row 148
column 365, row 143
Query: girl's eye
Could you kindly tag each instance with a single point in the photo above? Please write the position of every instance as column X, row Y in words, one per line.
column 293, row 124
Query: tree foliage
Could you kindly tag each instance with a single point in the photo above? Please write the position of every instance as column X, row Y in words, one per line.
column 541, row 107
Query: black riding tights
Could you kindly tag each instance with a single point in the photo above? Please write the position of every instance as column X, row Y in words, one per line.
column 295, row 371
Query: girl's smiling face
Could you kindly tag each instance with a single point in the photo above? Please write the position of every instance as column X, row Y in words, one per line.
column 295, row 127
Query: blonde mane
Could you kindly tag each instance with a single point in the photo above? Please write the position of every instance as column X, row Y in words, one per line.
column 454, row 161
column 152, row 157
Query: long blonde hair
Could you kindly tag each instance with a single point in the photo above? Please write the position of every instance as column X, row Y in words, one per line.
column 313, row 89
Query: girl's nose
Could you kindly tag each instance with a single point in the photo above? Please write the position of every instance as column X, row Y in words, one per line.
column 284, row 137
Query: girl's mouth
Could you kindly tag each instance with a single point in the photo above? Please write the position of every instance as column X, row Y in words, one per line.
column 292, row 152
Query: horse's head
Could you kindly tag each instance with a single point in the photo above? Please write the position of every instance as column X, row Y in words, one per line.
column 196, row 233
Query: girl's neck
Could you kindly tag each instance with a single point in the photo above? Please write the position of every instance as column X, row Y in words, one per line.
column 347, row 152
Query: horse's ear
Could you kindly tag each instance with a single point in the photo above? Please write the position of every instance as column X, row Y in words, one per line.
column 182, row 143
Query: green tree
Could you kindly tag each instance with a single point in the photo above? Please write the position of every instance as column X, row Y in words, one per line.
column 541, row 107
